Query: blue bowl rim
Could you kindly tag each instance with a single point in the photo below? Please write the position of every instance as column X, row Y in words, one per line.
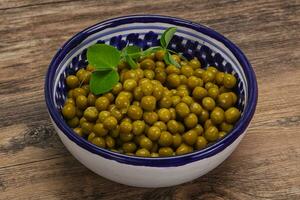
column 162, row 161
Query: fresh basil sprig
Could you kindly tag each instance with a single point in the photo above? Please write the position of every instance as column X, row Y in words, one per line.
column 105, row 59
column 167, row 36
column 103, row 81
column 130, row 53
column 103, row 56
column 164, row 42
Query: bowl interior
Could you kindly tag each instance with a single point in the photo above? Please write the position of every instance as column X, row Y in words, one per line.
column 184, row 42
column 192, row 40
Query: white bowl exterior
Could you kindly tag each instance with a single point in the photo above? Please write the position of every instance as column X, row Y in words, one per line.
column 144, row 176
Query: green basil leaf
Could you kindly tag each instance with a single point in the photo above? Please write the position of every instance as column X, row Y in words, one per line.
column 103, row 81
column 170, row 61
column 131, row 62
column 167, row 36
column 180, row 55
column 103, row 56
column 151, row 50
column 103, row 69
column 167, row 59
column 132, row 51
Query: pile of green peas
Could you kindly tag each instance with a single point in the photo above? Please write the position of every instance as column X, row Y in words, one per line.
column 155, row 110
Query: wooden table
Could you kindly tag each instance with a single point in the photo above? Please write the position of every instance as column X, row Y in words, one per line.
column 35, row 165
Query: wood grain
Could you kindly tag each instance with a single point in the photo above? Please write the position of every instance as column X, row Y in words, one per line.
column 34, row 163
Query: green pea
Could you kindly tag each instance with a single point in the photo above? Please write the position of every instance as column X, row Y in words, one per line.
column 232, row 115
column 69, row 111
column 183, row 149
column 229, row 80
column 208, row 103
column 211, row 134
column 99, row 141
column 201, row 142
column 165, row 139
column 190, row 137
column 217, row 115
column 142, row 152
column 165, row 151
column 129, row 147
column 146, row 143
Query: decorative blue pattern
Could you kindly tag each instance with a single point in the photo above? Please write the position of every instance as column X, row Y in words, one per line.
column 145, row 39
column 179, row 44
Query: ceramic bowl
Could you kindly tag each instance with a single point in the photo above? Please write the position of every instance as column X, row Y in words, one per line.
column 191, row 39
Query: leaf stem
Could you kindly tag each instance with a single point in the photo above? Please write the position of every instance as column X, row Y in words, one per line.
column 174, row 52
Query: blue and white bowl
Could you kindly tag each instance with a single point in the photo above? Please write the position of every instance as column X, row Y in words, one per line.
column 191, row 39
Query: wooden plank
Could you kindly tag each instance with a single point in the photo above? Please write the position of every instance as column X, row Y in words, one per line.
column 243, row 176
